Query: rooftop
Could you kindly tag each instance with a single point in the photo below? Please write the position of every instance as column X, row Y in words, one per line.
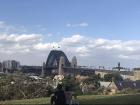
column 114, row 71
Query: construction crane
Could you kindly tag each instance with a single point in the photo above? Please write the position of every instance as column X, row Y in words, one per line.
column 119, row 67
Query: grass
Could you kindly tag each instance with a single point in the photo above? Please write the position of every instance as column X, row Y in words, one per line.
column 84, row 99
column 26, row 101
column 109, row 99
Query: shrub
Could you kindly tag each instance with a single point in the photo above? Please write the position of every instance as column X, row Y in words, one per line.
column 138, row 90
column 128, row 91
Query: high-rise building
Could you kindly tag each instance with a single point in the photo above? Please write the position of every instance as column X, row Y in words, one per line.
column 1, row 67
column 43, row 69
column 11, row 65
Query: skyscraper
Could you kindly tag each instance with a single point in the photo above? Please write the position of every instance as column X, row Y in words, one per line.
column 43, row 69
column 11, row 65
column 1, row 67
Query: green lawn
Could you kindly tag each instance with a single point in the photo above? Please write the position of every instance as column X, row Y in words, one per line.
column 108, row 99
column 85, row 99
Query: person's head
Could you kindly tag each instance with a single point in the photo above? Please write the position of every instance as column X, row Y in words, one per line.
column 59, row 87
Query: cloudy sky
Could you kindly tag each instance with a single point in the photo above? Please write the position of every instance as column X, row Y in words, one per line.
column 97, row 32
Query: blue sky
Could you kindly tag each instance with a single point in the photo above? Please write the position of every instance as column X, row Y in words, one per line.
column 112, row 24
column 113, row 19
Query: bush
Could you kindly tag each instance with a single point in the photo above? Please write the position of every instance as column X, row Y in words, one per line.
column 128, row 91
column 107, row 91
column 101, row 90
column 138, row 90
column 95, row 92
column 113, row 77
column 20, row 89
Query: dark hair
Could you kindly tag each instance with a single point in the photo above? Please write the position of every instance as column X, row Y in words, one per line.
column 59, row 86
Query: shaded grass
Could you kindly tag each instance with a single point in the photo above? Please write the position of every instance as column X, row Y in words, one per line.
column 27, row 101
column 84, row 99
column 112, row 99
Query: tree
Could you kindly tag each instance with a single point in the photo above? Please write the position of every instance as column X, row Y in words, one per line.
column 113, row 77
column 71, row 82
column 95, row 80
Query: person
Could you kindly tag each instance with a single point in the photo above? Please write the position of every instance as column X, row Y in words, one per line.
column 68, row 95
column 53, row 99
column 59, row 96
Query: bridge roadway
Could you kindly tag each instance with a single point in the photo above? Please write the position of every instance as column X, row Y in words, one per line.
column 75, row 70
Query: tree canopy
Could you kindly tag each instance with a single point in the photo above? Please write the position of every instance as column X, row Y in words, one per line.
column 113, row 77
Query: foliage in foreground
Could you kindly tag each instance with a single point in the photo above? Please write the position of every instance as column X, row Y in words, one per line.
column 72, row 84
column 22, row 87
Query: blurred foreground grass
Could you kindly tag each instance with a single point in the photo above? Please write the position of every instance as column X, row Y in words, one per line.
column 83, row 99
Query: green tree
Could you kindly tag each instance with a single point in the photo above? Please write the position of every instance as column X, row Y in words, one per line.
column 95, row 80
column 113, row 77
column 70, row 81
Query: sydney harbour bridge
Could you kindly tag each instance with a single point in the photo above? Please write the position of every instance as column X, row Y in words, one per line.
column 57, row 63
column 54, row 61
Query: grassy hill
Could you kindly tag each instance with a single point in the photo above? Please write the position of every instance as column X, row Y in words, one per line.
column 85, row 99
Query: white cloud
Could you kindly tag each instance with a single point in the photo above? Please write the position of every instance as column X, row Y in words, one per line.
column 82, row 24
column 18, row 43
column 23, row 38
column 82, row 51
column 103, row 51
column 45, row 46
column 73, row 40
column 32, row 49
column 124, row 57
column 128, row 57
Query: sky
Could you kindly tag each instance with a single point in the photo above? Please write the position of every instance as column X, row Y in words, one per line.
column 97, row 32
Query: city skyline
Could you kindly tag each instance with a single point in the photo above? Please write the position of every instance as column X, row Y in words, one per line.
column 97, row 32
